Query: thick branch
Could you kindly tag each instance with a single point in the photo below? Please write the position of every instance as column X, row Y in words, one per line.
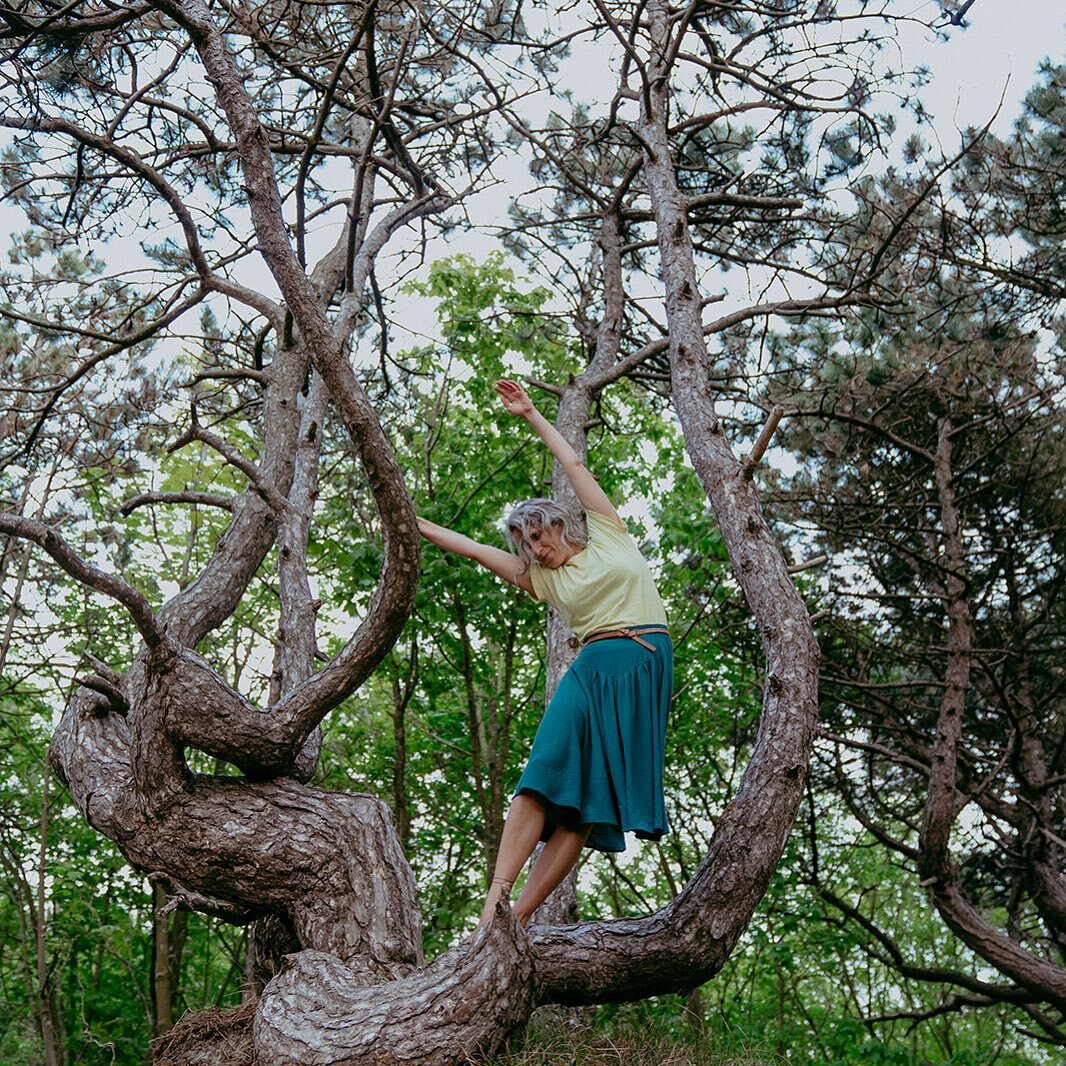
column 305, row 706
column 935, row 864
column 296, row 645
column 319, row 1013
column 215, row 593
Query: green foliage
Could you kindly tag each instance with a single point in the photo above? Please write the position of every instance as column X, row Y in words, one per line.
column 96, row 918
column 440, row 731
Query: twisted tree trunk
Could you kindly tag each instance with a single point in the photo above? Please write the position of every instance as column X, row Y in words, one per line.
column 328, row 868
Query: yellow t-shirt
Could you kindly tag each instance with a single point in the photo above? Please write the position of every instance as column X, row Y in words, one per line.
column 606, row 585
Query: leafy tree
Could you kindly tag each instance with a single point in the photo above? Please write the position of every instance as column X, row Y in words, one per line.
column 932, row 438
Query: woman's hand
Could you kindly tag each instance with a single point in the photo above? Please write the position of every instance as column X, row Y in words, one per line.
column 514, row 398
column 590, row 495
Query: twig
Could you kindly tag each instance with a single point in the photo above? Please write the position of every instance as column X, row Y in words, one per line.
column 185, row 899
column 227, row 373
column 207, row 499
column 228, row 452
column 760, row 447
column 115, row 698
column 810, row 564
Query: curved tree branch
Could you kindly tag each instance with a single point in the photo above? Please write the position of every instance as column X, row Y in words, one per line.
column 935, row 866
column 394, row 595
column 204, row 499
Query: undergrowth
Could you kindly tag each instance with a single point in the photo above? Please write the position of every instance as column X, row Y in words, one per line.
column 575, row 1039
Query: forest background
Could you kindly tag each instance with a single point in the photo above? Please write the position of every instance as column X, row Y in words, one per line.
column 904, row 250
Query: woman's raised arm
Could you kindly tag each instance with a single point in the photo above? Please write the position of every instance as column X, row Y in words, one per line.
column 592, row 497
column 499, row 562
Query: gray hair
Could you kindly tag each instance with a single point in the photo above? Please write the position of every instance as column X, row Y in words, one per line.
column 543, row 514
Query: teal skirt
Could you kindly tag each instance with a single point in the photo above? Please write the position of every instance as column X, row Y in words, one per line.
column 597, row 758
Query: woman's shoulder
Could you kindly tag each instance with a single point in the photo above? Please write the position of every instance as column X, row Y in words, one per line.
column 605, row 523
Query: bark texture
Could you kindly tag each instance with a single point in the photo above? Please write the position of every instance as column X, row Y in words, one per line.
column 329, row 863
column 318, row 1012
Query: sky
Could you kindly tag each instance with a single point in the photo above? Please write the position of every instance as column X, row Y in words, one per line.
column 999, row 52
column 995, row 56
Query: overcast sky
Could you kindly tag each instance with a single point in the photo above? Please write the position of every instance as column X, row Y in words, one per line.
column 996, row 56
column 1000, row 49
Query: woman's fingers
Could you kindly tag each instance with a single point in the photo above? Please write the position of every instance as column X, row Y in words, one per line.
column 511, row 391
column 514, row 398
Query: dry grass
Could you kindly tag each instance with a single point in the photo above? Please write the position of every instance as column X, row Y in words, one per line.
column 212, row 1037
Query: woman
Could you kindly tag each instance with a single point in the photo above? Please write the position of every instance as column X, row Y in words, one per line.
column 596, row 767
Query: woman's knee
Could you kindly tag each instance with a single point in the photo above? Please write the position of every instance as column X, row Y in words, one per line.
column 528, row 805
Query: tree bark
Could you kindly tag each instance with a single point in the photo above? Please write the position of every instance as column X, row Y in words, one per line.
column 316, row 1013
column 329, row 864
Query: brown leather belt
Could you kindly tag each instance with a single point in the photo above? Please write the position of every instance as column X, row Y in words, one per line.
column 631, row 634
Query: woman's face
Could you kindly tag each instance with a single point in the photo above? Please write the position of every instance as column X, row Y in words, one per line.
column 547, row 545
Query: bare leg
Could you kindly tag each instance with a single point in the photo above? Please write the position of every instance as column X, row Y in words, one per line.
column 521, row 831
column 552, row 865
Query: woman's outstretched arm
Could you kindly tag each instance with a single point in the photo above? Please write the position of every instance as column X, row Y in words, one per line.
column 501, row 563
column 592, row 497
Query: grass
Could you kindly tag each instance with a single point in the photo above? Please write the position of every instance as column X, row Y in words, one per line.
column 552, row 1039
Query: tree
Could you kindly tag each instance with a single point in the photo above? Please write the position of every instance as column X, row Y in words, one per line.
column 220, row 126
column 933, row 439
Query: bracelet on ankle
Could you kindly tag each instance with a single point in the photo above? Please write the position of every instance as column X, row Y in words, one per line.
column 507, row 886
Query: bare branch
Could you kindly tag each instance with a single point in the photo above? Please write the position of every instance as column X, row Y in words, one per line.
column 55, row 25
column 185, row 899
column 136, row 165
column 132, row 599
column 234, row 457
column 759, row 450
column 206, row 499
column 122, row 345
